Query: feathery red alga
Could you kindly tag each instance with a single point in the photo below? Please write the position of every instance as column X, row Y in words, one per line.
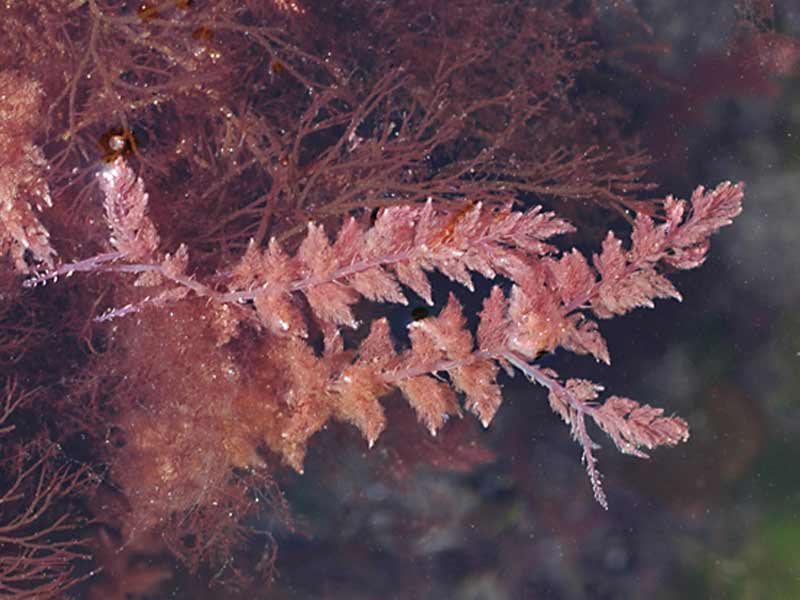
column 308, row 164
column 553, row 300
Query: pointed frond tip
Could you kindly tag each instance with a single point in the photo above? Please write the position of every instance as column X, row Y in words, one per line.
column 125, row 202
column 630, row 425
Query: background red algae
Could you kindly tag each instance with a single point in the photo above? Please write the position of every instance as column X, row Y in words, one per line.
column 247, row 121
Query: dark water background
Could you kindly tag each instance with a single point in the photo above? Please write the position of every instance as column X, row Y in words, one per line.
column 718, row 517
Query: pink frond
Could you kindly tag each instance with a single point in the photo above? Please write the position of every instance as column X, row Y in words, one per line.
column 24, row 191
column 493, row 326
column 433, row 401
column 133, row 234
column 478, row 382
column 358, row 389
column 547, row 307
column 633, row 426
